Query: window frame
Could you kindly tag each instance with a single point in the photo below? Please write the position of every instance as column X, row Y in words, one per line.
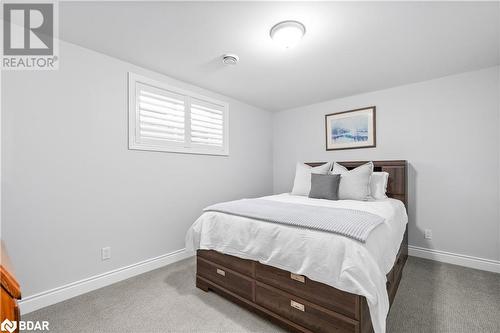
column 186, row 147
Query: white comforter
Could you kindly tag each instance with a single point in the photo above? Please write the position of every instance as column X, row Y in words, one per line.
column 335, row 260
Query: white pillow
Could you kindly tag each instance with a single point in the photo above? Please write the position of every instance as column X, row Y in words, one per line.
column 378, row 185
column 355, row 183
column 302, row 182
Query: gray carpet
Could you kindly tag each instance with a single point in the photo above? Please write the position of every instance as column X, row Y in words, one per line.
column 432, row 297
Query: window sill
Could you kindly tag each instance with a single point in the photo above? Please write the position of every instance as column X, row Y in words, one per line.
column 178, row 150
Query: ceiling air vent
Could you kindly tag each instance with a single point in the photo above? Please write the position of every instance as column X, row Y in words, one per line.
column 230, row 59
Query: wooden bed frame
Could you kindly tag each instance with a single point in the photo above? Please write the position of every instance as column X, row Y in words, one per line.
column 294, row 301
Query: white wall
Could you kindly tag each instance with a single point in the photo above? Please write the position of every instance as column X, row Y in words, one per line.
column 448, row 130
column 71, row 186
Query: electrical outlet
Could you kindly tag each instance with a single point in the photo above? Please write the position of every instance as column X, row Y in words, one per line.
column 106, row 253
column 428, row 234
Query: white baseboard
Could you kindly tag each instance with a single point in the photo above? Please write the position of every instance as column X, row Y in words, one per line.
column 59, row 294
column 455, row 259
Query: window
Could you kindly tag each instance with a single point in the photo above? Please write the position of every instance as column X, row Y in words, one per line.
column 164, row 118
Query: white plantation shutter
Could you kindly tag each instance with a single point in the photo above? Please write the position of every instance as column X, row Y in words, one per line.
column 207, row 123
column 164, row 118
column 161, row 115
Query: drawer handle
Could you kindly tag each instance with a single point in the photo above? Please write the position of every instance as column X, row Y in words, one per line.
column 297, row 305
column 221, row 272
column 297, row 277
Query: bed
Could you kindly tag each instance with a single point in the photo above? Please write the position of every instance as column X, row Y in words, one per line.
column 313, row 281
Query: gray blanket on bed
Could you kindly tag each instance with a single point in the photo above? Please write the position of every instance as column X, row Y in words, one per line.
column 351, row 223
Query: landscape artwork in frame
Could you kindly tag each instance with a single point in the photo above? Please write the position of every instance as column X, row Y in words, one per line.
column 351, row 129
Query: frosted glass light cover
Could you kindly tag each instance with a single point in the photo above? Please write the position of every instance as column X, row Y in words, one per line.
column 287, row 33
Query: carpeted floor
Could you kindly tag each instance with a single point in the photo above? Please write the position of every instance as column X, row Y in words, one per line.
column 432, row 297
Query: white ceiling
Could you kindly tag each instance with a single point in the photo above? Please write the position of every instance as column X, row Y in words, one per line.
column 349, row 48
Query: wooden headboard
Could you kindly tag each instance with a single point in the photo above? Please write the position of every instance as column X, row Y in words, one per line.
column 397, row 186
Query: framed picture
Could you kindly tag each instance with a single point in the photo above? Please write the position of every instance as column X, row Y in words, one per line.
column 351, row 129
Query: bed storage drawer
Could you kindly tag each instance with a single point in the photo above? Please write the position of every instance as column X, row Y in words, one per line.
column 399, row 263
column 227, row 278
column 395, row 272
column 302, row 312
column 315, row 292
column 394, row 276
column 239, row 265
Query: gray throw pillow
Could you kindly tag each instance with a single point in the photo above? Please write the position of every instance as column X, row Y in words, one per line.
column 324, row 186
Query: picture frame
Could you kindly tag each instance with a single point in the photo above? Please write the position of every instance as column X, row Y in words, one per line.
column 351, row 129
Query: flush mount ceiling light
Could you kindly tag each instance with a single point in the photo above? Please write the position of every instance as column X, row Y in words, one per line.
column 287, row 33
column 230, row 59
